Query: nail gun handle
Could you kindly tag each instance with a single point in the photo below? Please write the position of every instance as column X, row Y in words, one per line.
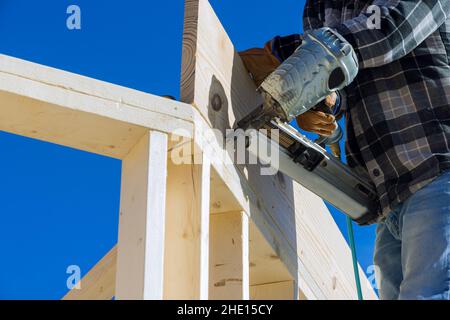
column 333, row 140
column 323, row 107
column 335, row 110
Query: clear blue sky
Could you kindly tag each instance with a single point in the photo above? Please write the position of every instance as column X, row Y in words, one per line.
column 59, row 206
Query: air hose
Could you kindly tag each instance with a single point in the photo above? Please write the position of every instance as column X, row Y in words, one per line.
column 351, row 239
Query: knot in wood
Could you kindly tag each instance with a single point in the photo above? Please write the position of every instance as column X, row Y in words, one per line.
column 216, row 102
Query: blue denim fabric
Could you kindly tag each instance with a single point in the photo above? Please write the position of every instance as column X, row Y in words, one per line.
column 412, row 249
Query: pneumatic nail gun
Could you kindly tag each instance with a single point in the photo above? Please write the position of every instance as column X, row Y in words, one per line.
column 324, row 63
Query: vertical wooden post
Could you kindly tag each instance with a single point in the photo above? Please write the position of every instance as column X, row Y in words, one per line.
column 140, row 256
column 229, row 258
column 187, row 231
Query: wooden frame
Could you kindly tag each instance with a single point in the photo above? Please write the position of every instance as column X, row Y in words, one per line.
column 140, row 256
column 187, row 238
column 165, row 249
column 229, row 261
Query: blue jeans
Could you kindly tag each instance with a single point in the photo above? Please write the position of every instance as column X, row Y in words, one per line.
column 412, row 249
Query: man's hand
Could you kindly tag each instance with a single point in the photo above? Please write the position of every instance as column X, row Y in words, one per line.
column 260, row 62
column 318, row 121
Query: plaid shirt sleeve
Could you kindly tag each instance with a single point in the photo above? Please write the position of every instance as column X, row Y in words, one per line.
column 284, row 47
column 311, row 18
column 403, row 26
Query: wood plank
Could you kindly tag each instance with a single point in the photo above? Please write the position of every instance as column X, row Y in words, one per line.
column 140, row 257
column 187, row 231
column 67, row 109
column 265, row 263
column 212, row 70
column 99, row 282
column 294, row 221
column 229, row 261
column 122, row 97
column 284, row 290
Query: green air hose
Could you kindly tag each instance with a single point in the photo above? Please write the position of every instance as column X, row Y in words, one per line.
column 351, row 239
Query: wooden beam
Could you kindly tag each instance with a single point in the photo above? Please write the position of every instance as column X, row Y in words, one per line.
column 67, row 109
column 140, row 257
column 204, row 81
column 229, row 261
column 187, row 231
column 99, row 282
column 294, row 221
column 265, row 263
column 284, row 290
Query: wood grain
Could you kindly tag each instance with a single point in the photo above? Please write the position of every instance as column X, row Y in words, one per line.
column 87, row 114
column 142, row 220
column 283, row 290
column 187, row 231
column 229, row 261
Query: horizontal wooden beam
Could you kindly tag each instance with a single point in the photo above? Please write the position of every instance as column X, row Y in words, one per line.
column 67, row 109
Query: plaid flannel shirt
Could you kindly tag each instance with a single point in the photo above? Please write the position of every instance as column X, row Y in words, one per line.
column 398, row 107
